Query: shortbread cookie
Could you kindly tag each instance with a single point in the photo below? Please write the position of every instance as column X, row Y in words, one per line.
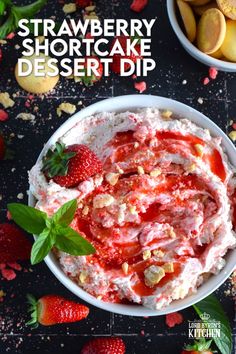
column 189, row 21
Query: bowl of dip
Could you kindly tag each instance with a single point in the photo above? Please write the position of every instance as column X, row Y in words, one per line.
column 159, row 215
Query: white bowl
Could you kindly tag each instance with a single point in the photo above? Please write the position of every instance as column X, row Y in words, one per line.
column 132, row 102
column 191, row 48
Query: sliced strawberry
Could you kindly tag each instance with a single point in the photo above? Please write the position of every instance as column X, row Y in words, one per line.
column 55, row 309
column 14, row 246
column 116, row 58
column 70, row 165
column 173, row 319
column 103, row 345
column 138, row 5
column 89, row 80
column 83, row 3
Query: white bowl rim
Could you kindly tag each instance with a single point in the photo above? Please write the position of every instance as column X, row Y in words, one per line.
column 132, row 102
column 182, row 37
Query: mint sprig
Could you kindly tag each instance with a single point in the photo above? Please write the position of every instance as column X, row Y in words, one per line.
column 12, row 14
column 212, row 307
column 51, row 231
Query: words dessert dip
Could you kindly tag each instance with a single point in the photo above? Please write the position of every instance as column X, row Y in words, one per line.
column 160, row 214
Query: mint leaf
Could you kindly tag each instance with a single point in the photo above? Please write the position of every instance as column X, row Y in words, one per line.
column 65, row 213
column 42, row 246
column 212, row 306
column 28, row 11
column 16, row 13
column 69, row 241
column 30, row 219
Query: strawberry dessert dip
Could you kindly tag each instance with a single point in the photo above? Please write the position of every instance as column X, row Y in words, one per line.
column 158, row 208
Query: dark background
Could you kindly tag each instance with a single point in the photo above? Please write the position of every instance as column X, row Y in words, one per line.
column 174, row 65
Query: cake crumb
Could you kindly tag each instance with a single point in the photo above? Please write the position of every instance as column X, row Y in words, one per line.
column 69, row 8
column 5, row 100
column 66, row 107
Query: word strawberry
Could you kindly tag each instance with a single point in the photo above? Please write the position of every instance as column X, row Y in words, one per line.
column 138, row 5
column 116, row 58
column 89, row 80
column 70, row 165
column 104, row 345
column 83, row 3
column 54, row 309
column 14, row 246
column 199, row 347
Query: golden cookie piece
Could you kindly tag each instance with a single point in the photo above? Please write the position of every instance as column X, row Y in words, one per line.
column 228, row 7
column 211, row 31
column 199, row 2
column 188, row 19
column 217, row 54
column 199, row 10
column 37, row 84
column 228, row 47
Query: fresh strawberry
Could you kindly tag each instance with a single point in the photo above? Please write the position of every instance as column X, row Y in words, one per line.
column 90, row 80
column 116, row 62
column 70, row 165
column 138, row 5
column 103, row 345
column 14, row 246
column 55, row 309
column 83, row 3
column 198, row 347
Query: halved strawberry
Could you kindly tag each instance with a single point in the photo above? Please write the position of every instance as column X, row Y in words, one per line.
column 14, row 246
column 70, row 165
column 55, row 309
column 104, row 345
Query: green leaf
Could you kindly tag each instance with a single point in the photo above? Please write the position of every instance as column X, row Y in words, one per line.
column 28, row 11
column 30, row 219
column 16, row 13
column 7, row 27
column 42, row 246
column 65, row 213
column 69, row 241
column 212, row 306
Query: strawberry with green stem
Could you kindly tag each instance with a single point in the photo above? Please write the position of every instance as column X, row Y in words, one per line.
column 54, row 309
column 201, row 346
column 68, row 166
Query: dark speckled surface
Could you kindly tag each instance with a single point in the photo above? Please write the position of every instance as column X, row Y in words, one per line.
column 177, row 76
